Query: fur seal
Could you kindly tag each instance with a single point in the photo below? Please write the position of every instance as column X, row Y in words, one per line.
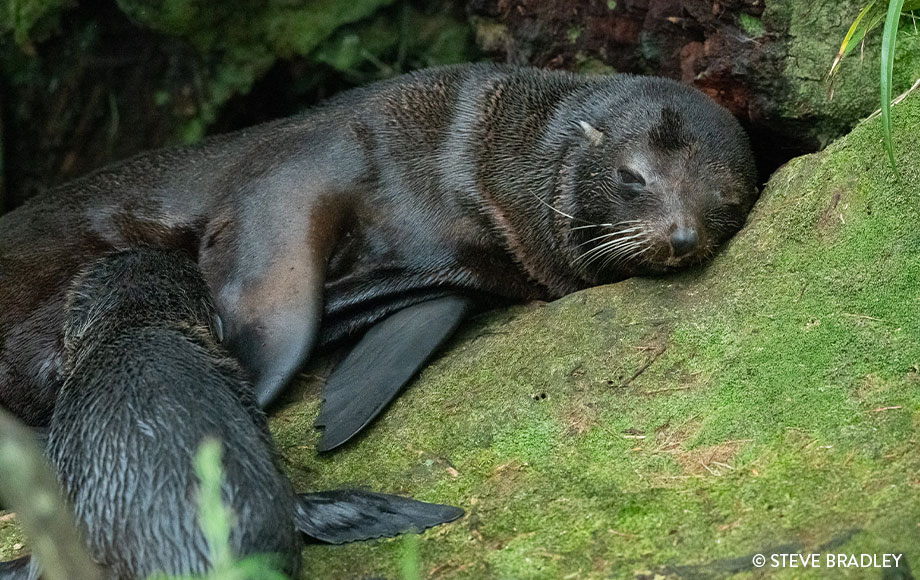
column 146, row 382
column 435, row 192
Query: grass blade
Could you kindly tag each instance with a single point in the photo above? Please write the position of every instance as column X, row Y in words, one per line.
column 889, row 40
column 215, row 517
column 849, row 41
column 411, row 569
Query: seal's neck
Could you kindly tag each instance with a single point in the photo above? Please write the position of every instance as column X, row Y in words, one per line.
column 521, row 199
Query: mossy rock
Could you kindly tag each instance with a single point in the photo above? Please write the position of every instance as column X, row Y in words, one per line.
column 767, row 61
column 812, row 33
column 676, row 426
column 672, row 427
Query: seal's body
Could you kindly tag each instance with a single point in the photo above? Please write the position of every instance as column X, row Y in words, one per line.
column 482, row 181
column 146, row 384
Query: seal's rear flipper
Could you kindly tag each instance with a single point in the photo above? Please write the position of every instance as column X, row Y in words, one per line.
column 381, row 364
column 343, row 515
column 17, row 569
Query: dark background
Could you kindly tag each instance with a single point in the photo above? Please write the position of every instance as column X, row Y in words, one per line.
column 90, row 82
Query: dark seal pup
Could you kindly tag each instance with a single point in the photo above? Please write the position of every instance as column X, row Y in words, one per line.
column 434, row 192
column 146, row 383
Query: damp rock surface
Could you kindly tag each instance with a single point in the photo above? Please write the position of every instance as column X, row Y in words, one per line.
column 764, row 60
column 670, row 427
column 675, row 426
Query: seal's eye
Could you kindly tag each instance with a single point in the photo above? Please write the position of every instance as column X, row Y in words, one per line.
column 627, row 177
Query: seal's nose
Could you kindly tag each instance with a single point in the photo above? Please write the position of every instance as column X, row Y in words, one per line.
column 683, row 241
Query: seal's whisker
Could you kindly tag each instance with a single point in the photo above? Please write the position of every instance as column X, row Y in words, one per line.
column 601, row 237
column 617, row 255
column 623, row 256
column 611, row 244
column 604, row 246
column 600, row 250
column 622, row 223
column 621, row 233
column 634, row 242
column 616, row 246
column 639, row 253
column 609, row 234
column 626, row 223
column 645, row 258
column 619, row 258
column 559, row 211
column 592, row 226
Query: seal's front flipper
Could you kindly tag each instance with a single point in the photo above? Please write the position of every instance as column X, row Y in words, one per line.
column 271, row 318
column 17, row 569
column 274, row 348
column 341, row 516
column 381, row 364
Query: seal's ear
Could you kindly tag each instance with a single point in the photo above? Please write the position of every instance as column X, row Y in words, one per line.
column 593, row 135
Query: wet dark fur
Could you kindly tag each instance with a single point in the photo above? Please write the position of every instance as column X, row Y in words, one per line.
column 145, row 384
column 470, row 178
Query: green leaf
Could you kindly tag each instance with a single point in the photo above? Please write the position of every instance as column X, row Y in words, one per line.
column 410, row 560
column 868, row 19
column 889, row 40
column 215, row 518
column 854, row 35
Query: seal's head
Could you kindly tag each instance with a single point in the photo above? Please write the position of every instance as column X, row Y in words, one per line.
column 659, row 176
column 138, row 288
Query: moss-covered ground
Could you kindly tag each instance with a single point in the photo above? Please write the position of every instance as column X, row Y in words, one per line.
column 672, row 427
column 768, row 403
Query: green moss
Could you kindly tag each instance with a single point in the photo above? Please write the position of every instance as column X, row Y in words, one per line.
column 779, row 404
column 573, row 34
column 591, row 65
column 31, row 20
column 238, row 42
column 11, row 540
column 283, row 27
column 648, row 44
column 417, row 39
column 751, row 25
column 491, row 35
column 815, row 31
column 244, row 42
